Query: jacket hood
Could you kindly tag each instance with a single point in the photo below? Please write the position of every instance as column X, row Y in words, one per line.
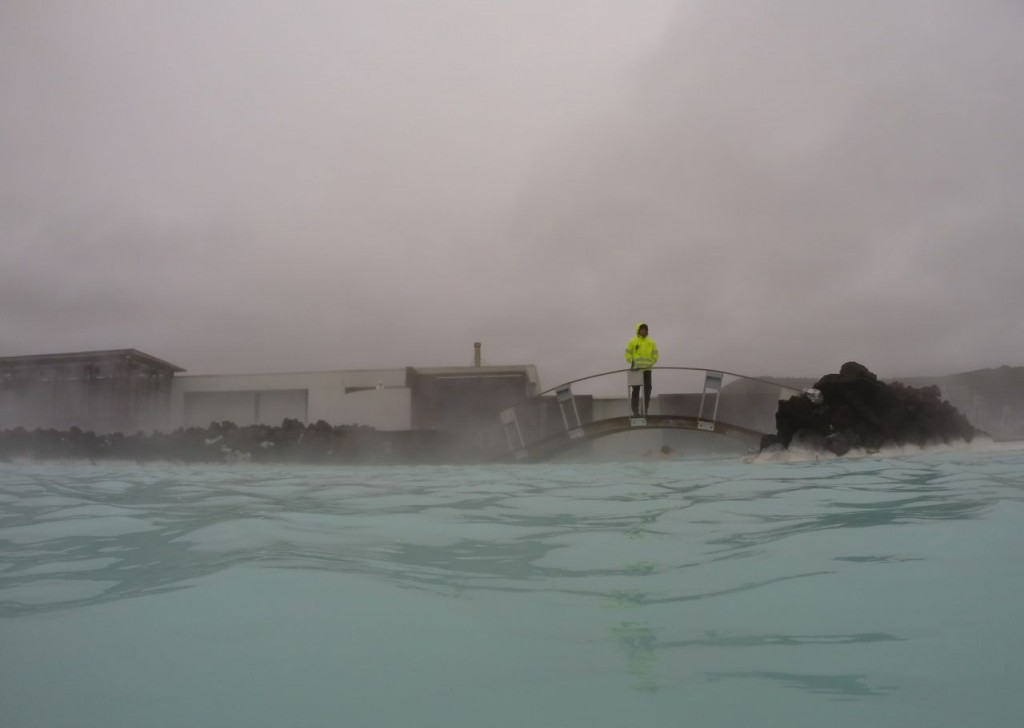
column 638, row 327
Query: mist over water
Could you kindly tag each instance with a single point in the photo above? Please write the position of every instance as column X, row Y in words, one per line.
column 880, row 590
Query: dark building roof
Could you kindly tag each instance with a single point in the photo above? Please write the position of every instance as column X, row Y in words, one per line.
column 88, row 356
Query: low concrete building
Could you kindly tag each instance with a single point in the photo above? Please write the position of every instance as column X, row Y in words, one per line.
column 452, row 399
column 379, row 398
column 127, row 390
column 466, row 402
column 104, row 391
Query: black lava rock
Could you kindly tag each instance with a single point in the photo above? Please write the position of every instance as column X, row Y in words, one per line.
column 225, row 442
column 854, row 410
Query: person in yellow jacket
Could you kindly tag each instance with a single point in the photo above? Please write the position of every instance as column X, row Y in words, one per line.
column 642, row 354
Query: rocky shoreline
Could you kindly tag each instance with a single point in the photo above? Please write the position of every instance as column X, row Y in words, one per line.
column 225, row 442
column 853, row 409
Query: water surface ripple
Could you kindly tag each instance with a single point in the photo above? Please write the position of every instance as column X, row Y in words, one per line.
column 684, row 588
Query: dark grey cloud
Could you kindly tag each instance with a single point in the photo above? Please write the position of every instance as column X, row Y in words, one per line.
column 262, row 186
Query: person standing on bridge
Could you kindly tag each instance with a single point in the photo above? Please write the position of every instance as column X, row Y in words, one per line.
column 642, row 354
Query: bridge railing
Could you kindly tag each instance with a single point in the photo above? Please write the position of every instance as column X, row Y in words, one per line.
column 705, row 396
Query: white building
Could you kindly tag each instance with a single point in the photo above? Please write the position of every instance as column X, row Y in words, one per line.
column 128, row 391
column 379, row 398
column 447, row 398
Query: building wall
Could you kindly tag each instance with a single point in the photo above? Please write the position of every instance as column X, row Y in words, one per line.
column 108, row 391
column 269, row 407
column 127, row 391
column 377, row 398
column 466, row 402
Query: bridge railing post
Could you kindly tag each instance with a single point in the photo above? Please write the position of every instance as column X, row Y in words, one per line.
column 570, row 413
column 712, row 390
column 513, row 434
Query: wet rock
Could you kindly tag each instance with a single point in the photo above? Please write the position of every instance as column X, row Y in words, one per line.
column 853, row 409
column 226, row 442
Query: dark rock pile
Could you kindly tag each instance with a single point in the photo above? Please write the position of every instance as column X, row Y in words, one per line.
column 225, row 442
column 854, row 410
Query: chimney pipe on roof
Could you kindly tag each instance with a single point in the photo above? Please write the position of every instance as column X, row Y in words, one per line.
column 476, row 353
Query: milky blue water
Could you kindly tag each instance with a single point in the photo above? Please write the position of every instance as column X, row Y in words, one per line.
column 879, row 591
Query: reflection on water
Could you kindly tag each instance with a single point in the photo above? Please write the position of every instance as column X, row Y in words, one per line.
column 639, row 642
column 841, row 686
column 722, row 572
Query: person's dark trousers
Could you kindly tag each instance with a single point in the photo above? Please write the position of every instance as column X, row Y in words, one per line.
column 634, row 395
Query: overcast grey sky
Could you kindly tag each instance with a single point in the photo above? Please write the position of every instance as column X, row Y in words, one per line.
column 264, row 185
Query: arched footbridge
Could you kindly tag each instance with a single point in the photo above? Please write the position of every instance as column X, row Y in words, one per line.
column 686, row 398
